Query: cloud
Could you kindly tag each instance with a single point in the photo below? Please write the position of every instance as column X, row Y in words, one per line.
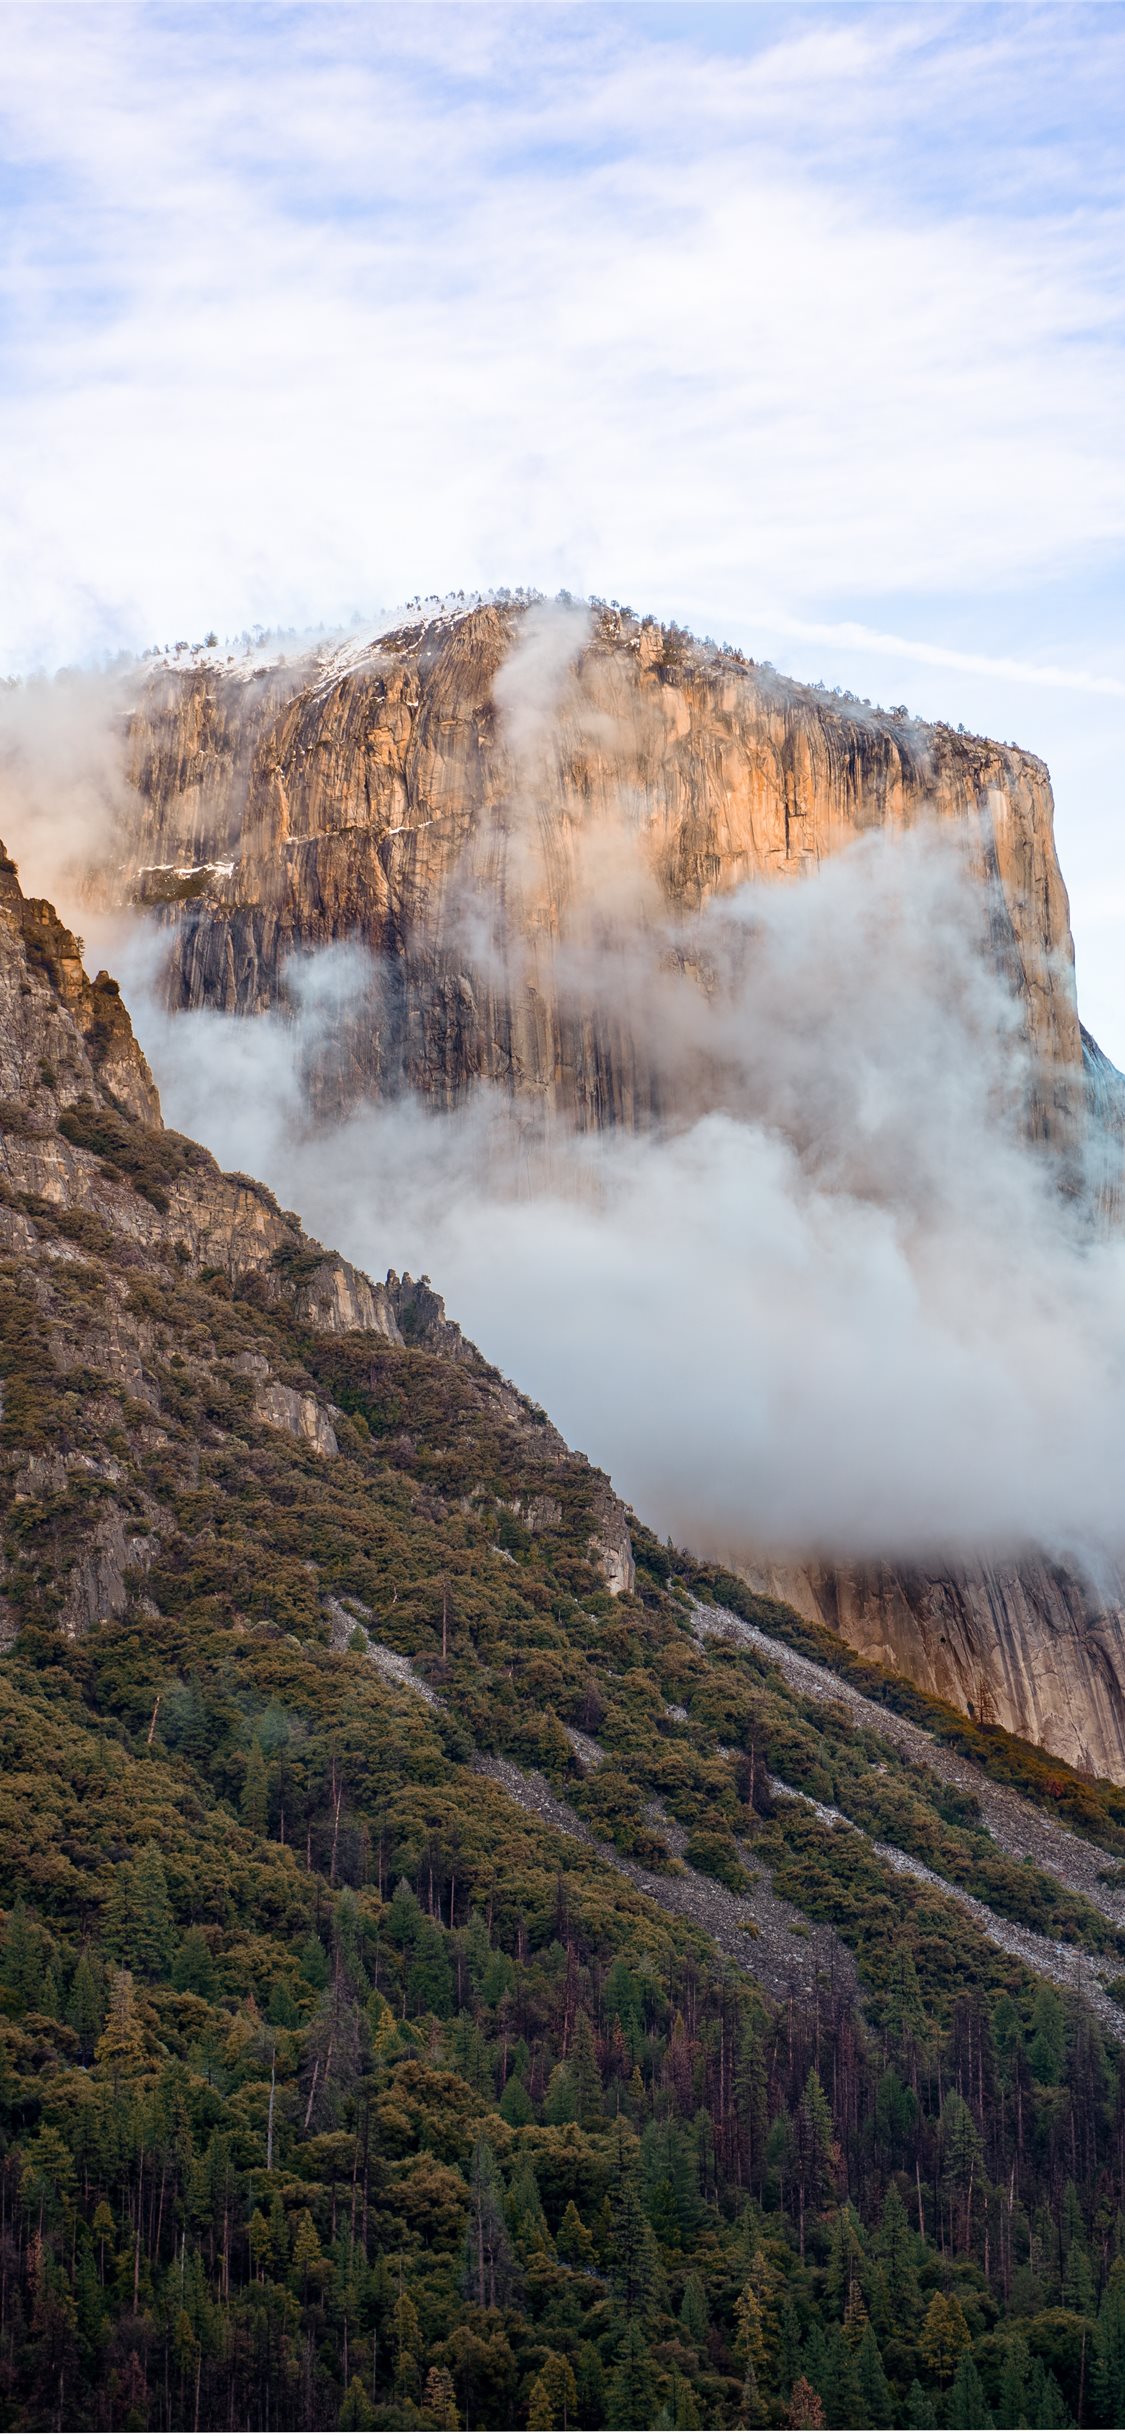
column 843, row 1308
column 853, row 636
column 64, row 794
column 347, row 303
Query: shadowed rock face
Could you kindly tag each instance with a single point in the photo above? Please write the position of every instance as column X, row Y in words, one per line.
column 1032, row 1646
column 377, row 797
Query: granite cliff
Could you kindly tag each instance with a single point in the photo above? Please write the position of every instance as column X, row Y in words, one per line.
column 372, row 795
column 397, row 794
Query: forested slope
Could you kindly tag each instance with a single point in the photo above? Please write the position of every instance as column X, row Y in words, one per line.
column 422, row 2002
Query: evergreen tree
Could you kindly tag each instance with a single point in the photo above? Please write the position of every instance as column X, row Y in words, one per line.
column 572, row 2242
column 630, row 2247
column 86, row 2008
column 254, row 1798
column 631, row 2399
column 515, row 2105
column 430, row 1978
column 193, row 1968
column 968, row 2404
column 561, row 2104
column 815, row 2154
column 120, row 2052
column 585, row 2075
column 23, row 1954
column 488, row 2270
column 153, row 1928
column 1047, row 2048
column 806, row 2410
column 876, row 2404
column 897, row 2248
column 694, row 2317
column 1014, row 2383
column 944, row 2336
column 439, row 2402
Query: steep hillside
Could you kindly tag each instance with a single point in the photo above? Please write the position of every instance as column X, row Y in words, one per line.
column 462, row 1962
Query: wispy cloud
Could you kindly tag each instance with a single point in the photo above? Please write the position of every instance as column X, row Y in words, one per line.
column 852, row 636
column 309, row 306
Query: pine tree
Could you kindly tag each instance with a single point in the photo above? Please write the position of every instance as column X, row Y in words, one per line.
column 540, row 2408
column 944, row 2336
column 439, row 2402
column 406, row 2335
column 630, row 2265
column 525, row 2207
column 815, row 2157
column 193, row 1968
column 120, row 2052
column 561, row 2104
column 968, row 2405
column 806, row 2410
column 308, row 2257
column 254, row 1800
column 118, row 1918
column 1047, row 2049
column 357, row 2412
column 515, row 2105
column 23, row 1954
column 86, row 2009
column 631, row 2400
column 694, row 2316
column 843, row 2401
column 877, row 2407
column 585, row 2073
column 561, row 2390
column 846, row 2258
column 1014, row 2383
column 488, row 2251
column 153, row 1927
column 897, row 2254
column 572, row 2242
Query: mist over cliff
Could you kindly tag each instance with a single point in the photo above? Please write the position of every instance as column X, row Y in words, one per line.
column 846, row 1309
column 834, row 1289
column 713, row 1044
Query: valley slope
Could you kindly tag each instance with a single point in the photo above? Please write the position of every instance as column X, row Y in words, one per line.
column 463, row 1962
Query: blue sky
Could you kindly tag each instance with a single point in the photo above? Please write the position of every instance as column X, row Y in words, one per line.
column 802, row 324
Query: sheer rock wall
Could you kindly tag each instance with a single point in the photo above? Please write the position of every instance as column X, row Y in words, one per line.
column 373, row 797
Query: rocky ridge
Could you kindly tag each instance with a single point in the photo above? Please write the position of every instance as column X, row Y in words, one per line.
column 104, row 1212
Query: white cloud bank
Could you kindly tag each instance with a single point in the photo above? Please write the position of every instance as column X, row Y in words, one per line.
column 845, row 1310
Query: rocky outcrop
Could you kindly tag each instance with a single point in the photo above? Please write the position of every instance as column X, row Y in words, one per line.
column 137, row 1282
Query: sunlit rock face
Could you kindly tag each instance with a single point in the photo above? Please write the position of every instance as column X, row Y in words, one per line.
column 490, row 841
column 394, row 801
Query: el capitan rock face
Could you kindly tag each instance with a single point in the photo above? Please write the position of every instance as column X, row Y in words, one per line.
column 370, row 796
